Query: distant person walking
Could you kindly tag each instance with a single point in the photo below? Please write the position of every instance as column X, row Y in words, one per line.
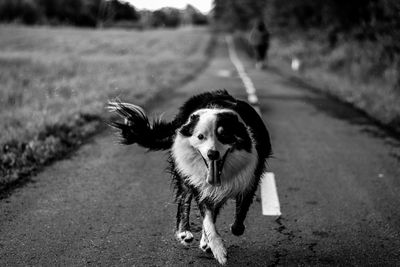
column 259, row 39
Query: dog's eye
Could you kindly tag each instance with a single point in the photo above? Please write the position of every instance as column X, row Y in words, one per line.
column 221, row 130
column 200, row 136
column 224, row 136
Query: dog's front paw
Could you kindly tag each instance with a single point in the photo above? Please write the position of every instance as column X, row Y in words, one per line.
column 185, row 237
column 204, row 247
column 204, row 244
column 218, row 250
column 237, row 229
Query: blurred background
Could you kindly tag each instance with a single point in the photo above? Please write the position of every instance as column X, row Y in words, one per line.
column 61, row 60
column 329, row 91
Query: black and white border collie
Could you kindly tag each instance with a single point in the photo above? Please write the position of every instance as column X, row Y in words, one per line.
column 218, row 149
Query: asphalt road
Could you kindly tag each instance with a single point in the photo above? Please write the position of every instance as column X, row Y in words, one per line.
column 338, row 180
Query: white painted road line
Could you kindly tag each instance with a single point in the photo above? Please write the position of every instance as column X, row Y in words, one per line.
column 269, row 194
column 247, row 82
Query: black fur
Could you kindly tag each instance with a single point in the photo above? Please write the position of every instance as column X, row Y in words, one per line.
column 137, row 128
column 159, row 135
column 230, row 130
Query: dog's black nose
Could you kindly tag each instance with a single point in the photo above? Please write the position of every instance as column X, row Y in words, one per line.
column 213, row 154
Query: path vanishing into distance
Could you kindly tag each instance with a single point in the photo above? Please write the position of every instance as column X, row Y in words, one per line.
column 336, row 173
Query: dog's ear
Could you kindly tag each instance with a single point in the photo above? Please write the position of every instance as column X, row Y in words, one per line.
column 187, row 129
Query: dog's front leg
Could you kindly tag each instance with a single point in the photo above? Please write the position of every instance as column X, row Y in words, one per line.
column 211, row 236
column 242, row 207
column 183, row 233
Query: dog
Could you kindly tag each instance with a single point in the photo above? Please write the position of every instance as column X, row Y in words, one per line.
column 218, row 149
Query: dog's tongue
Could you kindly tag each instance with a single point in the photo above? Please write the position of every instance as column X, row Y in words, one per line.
column 213, row 176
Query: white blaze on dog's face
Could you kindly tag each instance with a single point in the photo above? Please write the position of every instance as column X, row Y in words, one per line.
column 205, row 139
column 213, row 144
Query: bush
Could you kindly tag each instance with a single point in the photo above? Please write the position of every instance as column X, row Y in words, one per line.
column 30, row 12
column 26, row 11
column 73, row 12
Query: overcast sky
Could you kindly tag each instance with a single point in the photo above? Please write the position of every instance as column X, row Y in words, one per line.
column 202, row 5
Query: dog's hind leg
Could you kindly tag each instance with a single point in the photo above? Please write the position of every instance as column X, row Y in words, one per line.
column 183, row 233
column 242, row 207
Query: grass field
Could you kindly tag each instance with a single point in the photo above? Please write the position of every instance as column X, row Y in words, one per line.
column 352, row 72
column 55, row 82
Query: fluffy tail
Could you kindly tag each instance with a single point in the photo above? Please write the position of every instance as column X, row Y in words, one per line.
column 136, row 128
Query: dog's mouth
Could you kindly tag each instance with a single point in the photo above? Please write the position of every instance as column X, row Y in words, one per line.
column 215, row 168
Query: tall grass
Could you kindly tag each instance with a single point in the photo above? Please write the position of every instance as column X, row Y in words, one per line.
column 355, row 72
column 56, row 77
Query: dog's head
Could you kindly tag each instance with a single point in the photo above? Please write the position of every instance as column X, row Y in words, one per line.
column 214, row 134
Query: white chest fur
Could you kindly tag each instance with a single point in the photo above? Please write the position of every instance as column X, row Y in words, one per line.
column 237, row 174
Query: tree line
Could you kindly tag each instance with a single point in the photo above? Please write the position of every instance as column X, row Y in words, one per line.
column 330, row 21
column 359, row 19
column 92, row 13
